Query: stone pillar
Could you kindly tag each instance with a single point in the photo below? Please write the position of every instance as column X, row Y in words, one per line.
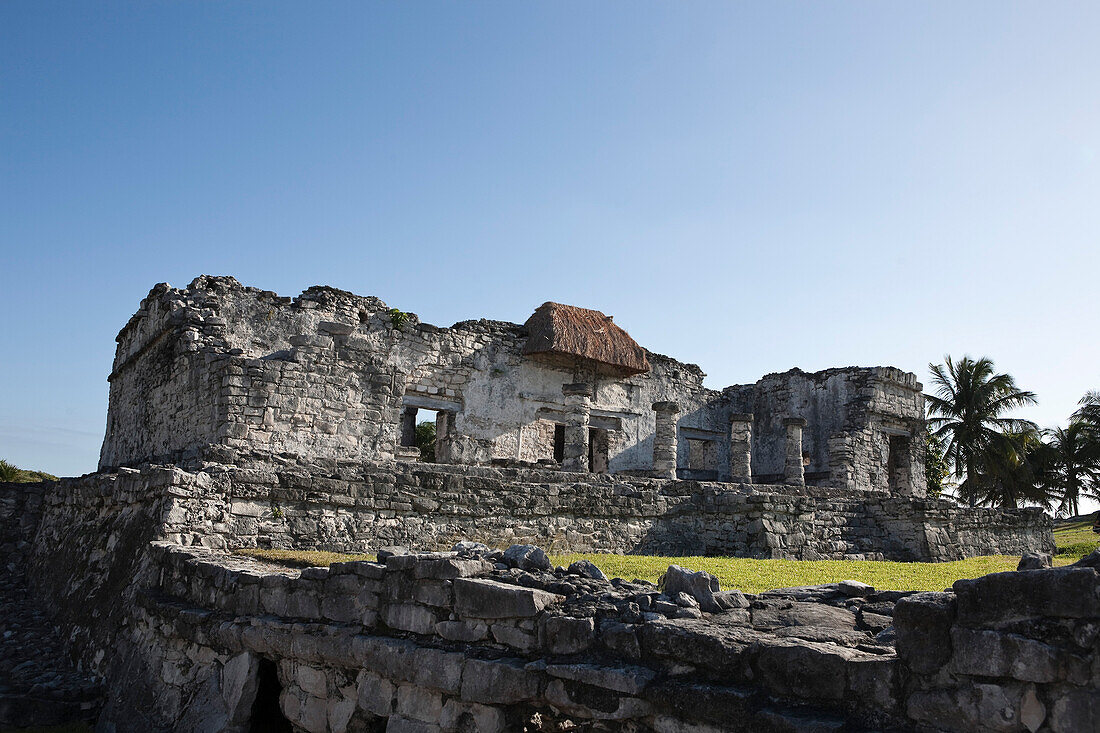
column 741, row 447
column 408, row 426
column 578, row 406
column 664, row 439
column 444, row 436
column 793, row 471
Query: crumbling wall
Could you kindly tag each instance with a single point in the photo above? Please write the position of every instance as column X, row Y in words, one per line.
column 353, row 507
column 325, row 375
column 477, row 640
column 1005, row 652
column 851, row 414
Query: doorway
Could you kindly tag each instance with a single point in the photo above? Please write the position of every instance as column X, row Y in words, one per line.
column 597, row 450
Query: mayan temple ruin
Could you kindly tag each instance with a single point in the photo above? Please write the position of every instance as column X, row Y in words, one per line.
column 241, row 419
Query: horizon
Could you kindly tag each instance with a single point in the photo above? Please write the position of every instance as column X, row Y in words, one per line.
column 749, row 189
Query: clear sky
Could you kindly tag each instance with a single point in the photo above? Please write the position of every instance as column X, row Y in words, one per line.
column 750, row 187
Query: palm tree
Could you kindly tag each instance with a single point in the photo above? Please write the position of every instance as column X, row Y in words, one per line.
column 8, row 472
column 1076, row 455
column 968, row 412
column 1089, row 414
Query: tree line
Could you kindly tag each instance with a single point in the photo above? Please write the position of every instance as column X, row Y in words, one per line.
column 978, row 451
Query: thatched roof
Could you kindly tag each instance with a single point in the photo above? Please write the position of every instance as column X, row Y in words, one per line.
column 565, row 334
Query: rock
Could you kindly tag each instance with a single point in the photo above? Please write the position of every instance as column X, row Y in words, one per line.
column 502, row 682
column 526, row 557
column 1034, row 561
column 566, row 635
column 685, row 601
column 466, row 547
column 855, row 589
column 587, row 569
column 923, row 623
column 480, row 598
column 239, row 684
column 699, row 584
column 1032, row 710
column 390, row 551
column 731, row 599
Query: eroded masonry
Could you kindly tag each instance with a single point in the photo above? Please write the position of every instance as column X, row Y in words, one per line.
column 561, row 431
column 239, row 419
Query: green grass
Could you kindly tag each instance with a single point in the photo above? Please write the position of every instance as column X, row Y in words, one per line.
column 302, row 558
column 1074, row 540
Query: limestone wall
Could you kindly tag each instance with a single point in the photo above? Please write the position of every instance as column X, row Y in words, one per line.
column 353, row 507
column 1007, row 652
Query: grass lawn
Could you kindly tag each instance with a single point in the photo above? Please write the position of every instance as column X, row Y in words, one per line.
column 1074, row 540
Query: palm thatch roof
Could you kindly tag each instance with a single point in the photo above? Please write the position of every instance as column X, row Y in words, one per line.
column 566, row 334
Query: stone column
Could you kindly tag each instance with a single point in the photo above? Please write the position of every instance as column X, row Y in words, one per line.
column 578, row 406
column 664, row 439
column 408, row 426
column 741, row 447
column 444, row 436
column 793, row 471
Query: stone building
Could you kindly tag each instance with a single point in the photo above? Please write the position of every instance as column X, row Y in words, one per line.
column 331, row 375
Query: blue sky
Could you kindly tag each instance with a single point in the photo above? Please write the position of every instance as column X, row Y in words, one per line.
column 750, row 187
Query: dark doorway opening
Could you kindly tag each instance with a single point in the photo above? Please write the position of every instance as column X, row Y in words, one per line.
column 897, row 464
column 559, row 443
column 267, row 716
column 597, row 450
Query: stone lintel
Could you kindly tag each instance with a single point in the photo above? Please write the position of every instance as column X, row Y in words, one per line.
column 666, row 406
column 799, row 421
column 741, row 417
column 582, row 389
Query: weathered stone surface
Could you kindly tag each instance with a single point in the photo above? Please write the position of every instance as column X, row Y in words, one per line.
column 855, row 589
column 923, row 624
column 698, row 584
column 498, row 682
column 527, row 557
column 1067, row 592
column 587, row 569
column 477, row 598
column 566, row 635
column 1034, row 561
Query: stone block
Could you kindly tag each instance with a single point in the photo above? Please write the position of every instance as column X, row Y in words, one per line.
column 526, row 557
column 467, row 631
column 410, row 617
column 419, row 703
column 433, row 593
column 566, row 635
column 1000, row 598
column 451, row 568
column 376, row 694
column 459, row 717
column 502, row 682
column 698, row 584
column 311, row 680
column 439, row 670
column 628, row 680
column 803, row 670
column 590, row 702
column 479, row 598
column 923, row 624
column 399, row 724
column 984, row 653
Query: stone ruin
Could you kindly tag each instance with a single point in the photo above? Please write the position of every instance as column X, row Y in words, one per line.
column 239, row 419
column 563, row 432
